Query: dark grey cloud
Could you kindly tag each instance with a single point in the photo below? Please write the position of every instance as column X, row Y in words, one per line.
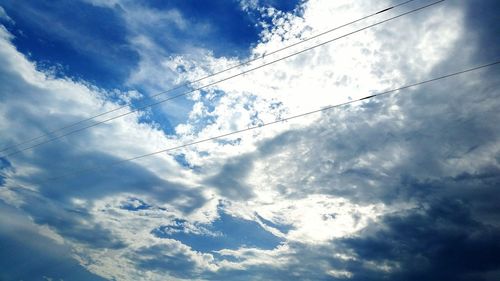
column 229, row 181
column 102, row 180
column 482, row 22
column 28, row 255
column 53, row 203
column 166, row 259
column 70, row 222
column 440, row 242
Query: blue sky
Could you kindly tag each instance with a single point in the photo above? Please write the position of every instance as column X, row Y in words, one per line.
column 399, row 187
column 91, row 44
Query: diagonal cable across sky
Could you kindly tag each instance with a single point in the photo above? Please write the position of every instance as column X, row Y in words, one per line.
column 216, row 82
column 323, row 109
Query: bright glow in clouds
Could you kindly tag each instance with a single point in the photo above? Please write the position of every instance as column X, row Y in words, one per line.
column 349, row 68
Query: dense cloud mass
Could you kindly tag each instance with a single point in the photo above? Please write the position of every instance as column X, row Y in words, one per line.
column 402, row 186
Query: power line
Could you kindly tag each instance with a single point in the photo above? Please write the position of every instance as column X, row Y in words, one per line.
column 217, row 82
column 210, row 75
column 273, row 122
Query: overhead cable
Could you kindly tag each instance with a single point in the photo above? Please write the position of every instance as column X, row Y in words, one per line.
column 207, row 85
column 326, row 108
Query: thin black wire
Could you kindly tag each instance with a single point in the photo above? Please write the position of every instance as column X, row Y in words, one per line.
column 272, row 123
column 208, row 76
column 221, row 80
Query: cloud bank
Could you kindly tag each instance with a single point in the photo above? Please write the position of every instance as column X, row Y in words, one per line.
column 401, row 187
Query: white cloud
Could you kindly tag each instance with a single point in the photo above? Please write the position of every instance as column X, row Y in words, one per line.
column 349, row 68
column 4, row 16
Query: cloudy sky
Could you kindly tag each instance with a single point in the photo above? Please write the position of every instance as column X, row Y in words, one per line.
column 402, row 186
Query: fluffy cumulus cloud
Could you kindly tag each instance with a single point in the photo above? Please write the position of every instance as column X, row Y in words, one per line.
column 399, row 187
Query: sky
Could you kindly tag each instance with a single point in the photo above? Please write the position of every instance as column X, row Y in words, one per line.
column 402, row 186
